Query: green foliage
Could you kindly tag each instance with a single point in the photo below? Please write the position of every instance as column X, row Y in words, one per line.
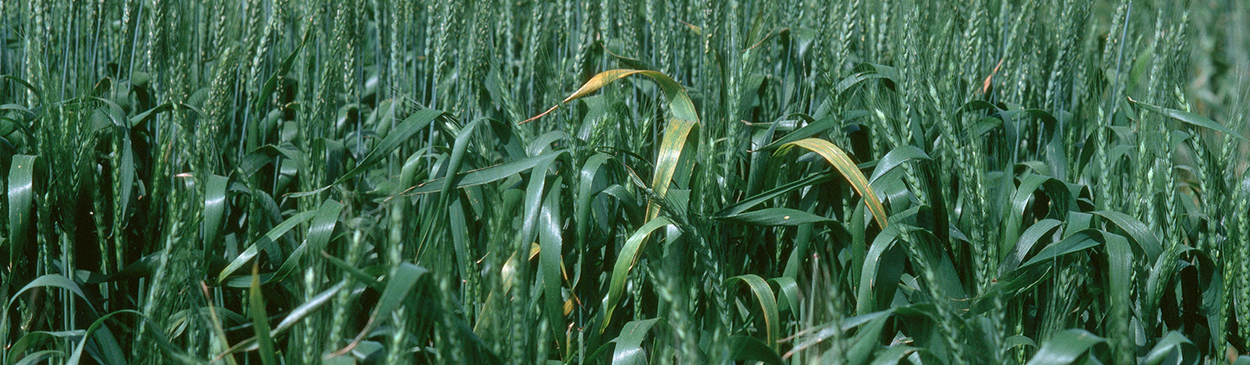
column 988, row 181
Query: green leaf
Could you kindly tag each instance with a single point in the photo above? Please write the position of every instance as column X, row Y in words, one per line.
column 789, row 290
column 1069, row 347
column 40, row 339
column 808, row 130
column 1077, row 242
column 21, row 187
column 457, row 153
column 849, row 170
column 550, row 260
column 1018, row 340
column 628, row 349
column 50, row 280
column 271, row 83
column 1030, row 238
column 32, row 88
column 37, row 357
column 1173, row 344
column 214, row 209
column 1142, row 235
column 672, row 150
column 629, row 255
column 767, row 301
column 402, row 280
column 113, row 352
column 742, row 206
column 897, row 157
column 489, row 174
column 307, row 308
column 260, row 320
column 746, row 348
column 585, row 187
column 866, row 341
column 1189, row 118
column 778, row 217
column 882, row 267
column 397, row 136
column 318, row 236
column 894, row 355
column 828, row 330
column 269, row 238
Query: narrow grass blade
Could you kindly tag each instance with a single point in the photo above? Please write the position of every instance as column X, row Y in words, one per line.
column 489, row 174
column 893, row 355
column 882, row 267
column 628, row 349
column 21, row 190
column 1069, row 347
column 897, row 157
column 214, row 208
column 37, row 357
column 271, row 83
column 849, row 170
column 585, row 192
column 126, row 173
column 1174, row 344
column 1189, row 118
column 1020, row 199
column 532, row 206
column 318, row 236
column 416, row 122
column 1077, row 242
column 307, row 308
column 144, row 117
column 550, row 258
column 827, row 330
column 777, row 217
column 50, row 280
column 1141, row 234
column 767, row 301
column 39, row 339
column 457, row 153
column 113, row 353
column 789, row 293
column 673, row 150
column 269, row 238
column 747, row 348
column 808, row 130
column 742, row 206
column 1028, row 240
column 866, row 341
column 260, row 320
column 630, row 253
column 398, row 286
column 24, row 83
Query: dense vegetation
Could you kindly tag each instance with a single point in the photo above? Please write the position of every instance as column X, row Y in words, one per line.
column 667, row 181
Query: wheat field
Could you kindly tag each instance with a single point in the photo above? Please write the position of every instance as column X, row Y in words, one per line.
column 625, row 182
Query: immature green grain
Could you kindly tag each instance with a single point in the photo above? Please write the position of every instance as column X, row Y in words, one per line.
column 446, row 12
column 1172, row 43
column 1118, row 25
column 33, row 48
column 952, row 326
column 343, row 301
column 161, row 300
column 530, row 67
column 910, row 116
column 309, row 340
column 1242, row 289
column 1068, row 26
column 661, row 31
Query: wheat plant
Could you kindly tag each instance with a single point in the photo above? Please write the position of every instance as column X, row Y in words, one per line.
column 624, row 182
